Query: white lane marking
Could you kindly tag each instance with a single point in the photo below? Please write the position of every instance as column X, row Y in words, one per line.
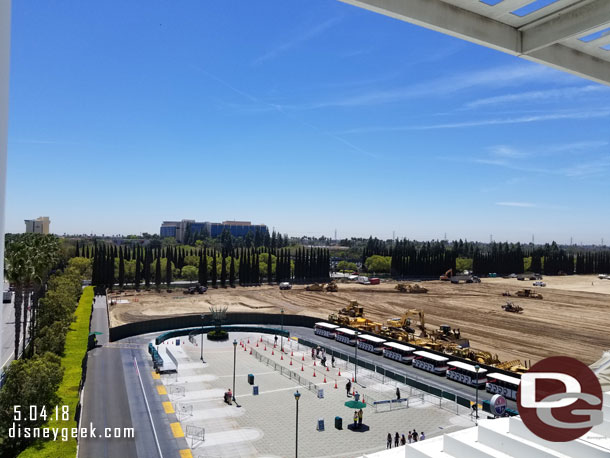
column 135, row 363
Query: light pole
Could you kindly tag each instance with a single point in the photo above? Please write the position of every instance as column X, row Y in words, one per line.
column 356, row 359
column 297, row 396
column 202, row 318
column 476, row 403
column 234, row 358
column 282, row 334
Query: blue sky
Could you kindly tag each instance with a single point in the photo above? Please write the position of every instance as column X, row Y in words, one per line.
column 306, row 115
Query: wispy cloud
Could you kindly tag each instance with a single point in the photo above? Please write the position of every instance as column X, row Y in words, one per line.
column 516, row 204
column 297, row 40
column 538, row 96
column 486, row 122
column 490, row 78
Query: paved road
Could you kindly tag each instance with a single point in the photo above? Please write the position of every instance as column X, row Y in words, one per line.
column 423, row 376
column 7, row 348
column 113, row 397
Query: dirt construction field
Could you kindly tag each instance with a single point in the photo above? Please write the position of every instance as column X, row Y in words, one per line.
column 573, row 319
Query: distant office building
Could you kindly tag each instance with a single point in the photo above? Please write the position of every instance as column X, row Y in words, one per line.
column 180, row 229
column 38, row 225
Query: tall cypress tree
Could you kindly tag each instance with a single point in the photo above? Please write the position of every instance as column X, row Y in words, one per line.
column 205, row 269
column 269, row 267
column 232, row 271
column 76, row 250
column 168, row 268
column 158, row 271
column 121, row 269
column 138, row 272
column 223, row 271
column 200, row 272
column 214, row 270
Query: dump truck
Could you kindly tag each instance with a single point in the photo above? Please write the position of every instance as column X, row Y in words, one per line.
column 528, row 293
column 510, row 307
column 410, row 288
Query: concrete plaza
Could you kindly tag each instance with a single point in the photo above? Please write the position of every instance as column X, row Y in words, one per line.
column 264, row 424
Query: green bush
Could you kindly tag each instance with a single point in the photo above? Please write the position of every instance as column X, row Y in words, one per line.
column 71, row 363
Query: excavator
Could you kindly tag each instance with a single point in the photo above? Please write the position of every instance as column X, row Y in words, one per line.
column 447, row 275
column 404, row 322
column 410, row 288
column 510, row 307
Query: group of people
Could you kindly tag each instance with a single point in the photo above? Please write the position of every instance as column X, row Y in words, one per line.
column 399, row 440
column 318, row 352
column 358, row 419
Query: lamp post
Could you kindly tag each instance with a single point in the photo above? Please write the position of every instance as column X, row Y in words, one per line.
column 356, row 359
column 202, row 318
column 476, row 404
column 234, row 359
column 297, row 396
column 282, row 334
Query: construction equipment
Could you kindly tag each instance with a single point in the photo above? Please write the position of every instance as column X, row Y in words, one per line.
column 447, row 275
column 315, row 287
column 446, row 334
column 404, row 322
column 528, row 293
column 506, row 293
column 353, row 310
column 510, row 307
column 410, row 288
column 195, row 289
column 341, row 320
column 332, row 287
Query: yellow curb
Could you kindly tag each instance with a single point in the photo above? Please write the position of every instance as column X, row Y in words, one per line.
column 161, row 389
column 155, row 376
column 177, row 429
column 169, row 408
column 186, row 453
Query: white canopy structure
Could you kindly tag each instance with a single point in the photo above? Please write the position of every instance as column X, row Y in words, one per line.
column 569, row 35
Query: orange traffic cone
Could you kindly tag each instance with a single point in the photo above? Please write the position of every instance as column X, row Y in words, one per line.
column 272, row 353
column 291, row 361
column 335, row 384
column 363, row 401
column 265, row 348
column 339, row 373
column 303, row 358
column 327, row 369
column 282, row 357
column 248, row 339
column 245, row 349
column 314, row 372
column 325, row 379
column 257, row 344
column 302, row 368
column 291, row 353
column 250, row 351
column 261, row 338
column 353, row 379
column 354, row 392
column 314, row 363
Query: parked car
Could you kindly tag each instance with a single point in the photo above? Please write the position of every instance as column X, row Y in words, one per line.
column 285, row 285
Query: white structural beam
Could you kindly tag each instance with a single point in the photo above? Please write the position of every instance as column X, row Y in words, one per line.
column 572, row 22
column 5, row 52
column 457, row 22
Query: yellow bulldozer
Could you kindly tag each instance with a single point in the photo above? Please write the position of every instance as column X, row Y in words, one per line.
column 514, row 365
column 410, row 288
column 529, row 294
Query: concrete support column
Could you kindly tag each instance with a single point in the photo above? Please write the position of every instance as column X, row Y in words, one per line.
column 5, row 52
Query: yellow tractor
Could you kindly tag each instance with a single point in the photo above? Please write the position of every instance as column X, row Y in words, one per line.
column 405, row 322
column 332, row 287
column 410, row 288
column 315, row 287
column 529, row 293
column 353, row 309
column 452, row 336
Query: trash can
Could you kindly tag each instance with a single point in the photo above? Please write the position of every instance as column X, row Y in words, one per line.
column 320, row 393
column 320, row 424
column 255, row 390
column 338, row 422
column 251, row 379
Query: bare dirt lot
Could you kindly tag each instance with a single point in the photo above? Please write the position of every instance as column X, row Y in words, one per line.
column 573, row 319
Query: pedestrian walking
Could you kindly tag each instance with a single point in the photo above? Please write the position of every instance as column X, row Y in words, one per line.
column 396, row 439
column 389, row 443
column 360, row 415
column 313, row 353
column 357, row 396
column 410, row 438
column 348, row 387
column 414, row 436
column 355, row 419
column 421, row 436
column 403, row 440
column 324, row 361
column 332, row 360
column 397, row 393
column 275, row 339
